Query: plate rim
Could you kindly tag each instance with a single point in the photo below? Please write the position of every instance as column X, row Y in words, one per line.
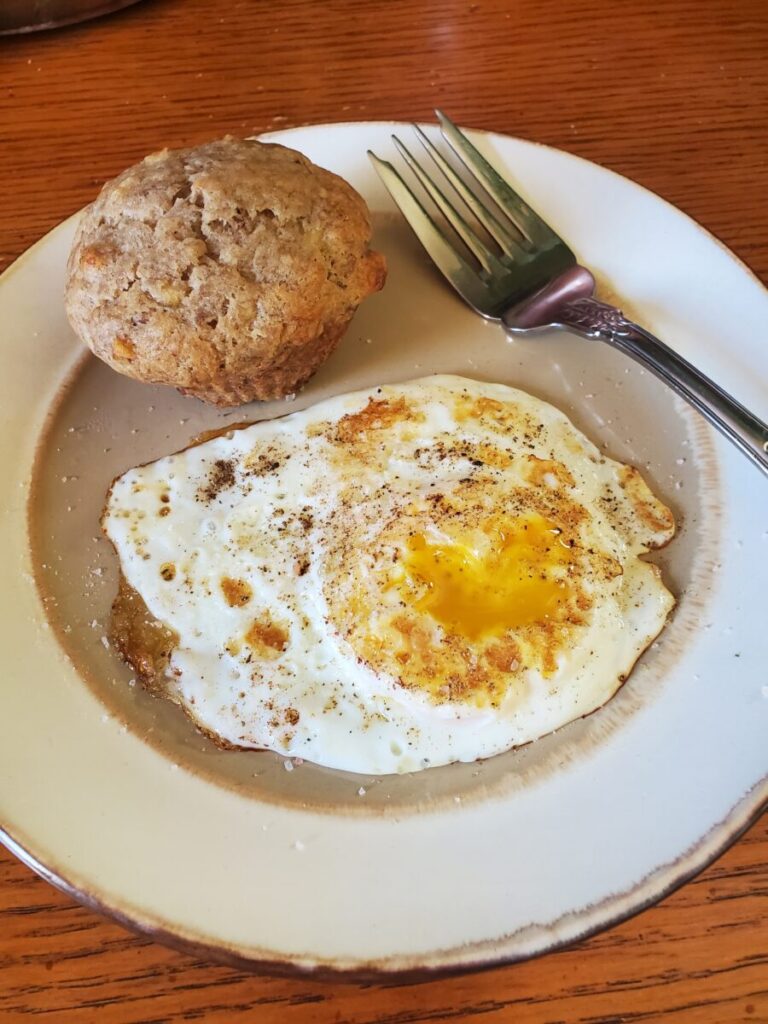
column 392, row 968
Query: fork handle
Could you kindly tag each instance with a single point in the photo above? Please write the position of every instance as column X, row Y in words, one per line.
column 594, row 319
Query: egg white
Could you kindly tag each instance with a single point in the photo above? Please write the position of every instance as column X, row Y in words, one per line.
column 274, row 504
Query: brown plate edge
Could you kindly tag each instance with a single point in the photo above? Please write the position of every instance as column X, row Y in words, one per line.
column 408, row 970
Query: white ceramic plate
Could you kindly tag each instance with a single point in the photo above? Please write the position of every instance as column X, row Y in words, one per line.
column 112, row 795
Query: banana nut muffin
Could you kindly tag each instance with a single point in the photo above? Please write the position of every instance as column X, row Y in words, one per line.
column 229, row 270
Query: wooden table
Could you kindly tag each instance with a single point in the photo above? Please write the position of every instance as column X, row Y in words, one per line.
column 674, row 95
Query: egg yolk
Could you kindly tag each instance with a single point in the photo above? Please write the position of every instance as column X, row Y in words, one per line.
column 513, row 582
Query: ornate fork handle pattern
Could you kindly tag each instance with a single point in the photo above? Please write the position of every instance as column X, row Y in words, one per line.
column 591, row 318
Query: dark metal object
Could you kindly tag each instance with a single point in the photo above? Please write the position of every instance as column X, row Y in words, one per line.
column 18, row 16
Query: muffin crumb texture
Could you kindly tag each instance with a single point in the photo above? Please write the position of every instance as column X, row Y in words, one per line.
column 229, row 271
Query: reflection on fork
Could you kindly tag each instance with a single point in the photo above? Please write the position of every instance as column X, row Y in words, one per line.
column 509, row 265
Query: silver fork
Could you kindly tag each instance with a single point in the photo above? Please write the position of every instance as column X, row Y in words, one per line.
column 529, row 280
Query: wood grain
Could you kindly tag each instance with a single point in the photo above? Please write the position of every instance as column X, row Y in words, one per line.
column 674, row 95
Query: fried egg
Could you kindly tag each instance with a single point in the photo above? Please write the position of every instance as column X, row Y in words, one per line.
column 394, row 579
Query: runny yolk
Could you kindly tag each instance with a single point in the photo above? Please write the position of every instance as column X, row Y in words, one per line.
column 509, row 584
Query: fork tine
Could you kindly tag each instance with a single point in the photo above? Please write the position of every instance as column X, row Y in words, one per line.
column 463, row 277
column 527, row 220
column 492, row 224
column 484, row 255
